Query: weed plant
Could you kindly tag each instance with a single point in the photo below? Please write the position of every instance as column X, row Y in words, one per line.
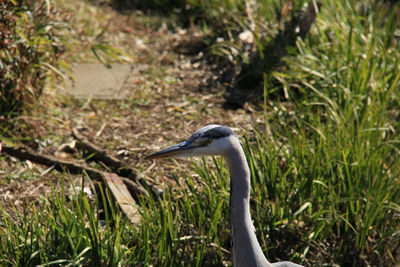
column 29, row 48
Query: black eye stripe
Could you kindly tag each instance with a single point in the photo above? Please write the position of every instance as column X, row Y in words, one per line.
column 218, row 132
column 213, row 133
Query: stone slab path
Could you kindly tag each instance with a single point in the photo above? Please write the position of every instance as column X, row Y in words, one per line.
column 94, row 80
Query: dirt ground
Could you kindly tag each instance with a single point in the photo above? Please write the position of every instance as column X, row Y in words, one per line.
column 172, row 94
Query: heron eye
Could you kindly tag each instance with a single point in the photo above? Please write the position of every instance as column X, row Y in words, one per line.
column 207, row 141
column 203, row 142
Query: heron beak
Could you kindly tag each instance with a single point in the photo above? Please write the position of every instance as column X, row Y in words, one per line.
column 171, row 152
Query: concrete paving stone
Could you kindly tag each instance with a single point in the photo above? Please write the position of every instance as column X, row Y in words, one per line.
column 94, row 80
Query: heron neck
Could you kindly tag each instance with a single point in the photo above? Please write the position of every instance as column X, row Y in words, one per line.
column 246, row 249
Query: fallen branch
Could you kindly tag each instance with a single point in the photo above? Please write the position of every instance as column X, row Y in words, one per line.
column 121, row 187
column 100, row 154
column 23, row 153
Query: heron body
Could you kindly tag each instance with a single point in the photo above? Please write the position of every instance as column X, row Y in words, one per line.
column 220, row 140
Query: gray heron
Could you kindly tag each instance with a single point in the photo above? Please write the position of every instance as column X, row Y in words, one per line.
column 220, row 140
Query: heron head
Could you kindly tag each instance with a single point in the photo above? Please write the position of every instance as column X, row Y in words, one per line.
column 209, row 140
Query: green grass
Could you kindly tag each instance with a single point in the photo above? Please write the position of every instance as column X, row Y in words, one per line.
column 63, row 230
column 175, row 231
column 324, row 164
column 308, row 199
